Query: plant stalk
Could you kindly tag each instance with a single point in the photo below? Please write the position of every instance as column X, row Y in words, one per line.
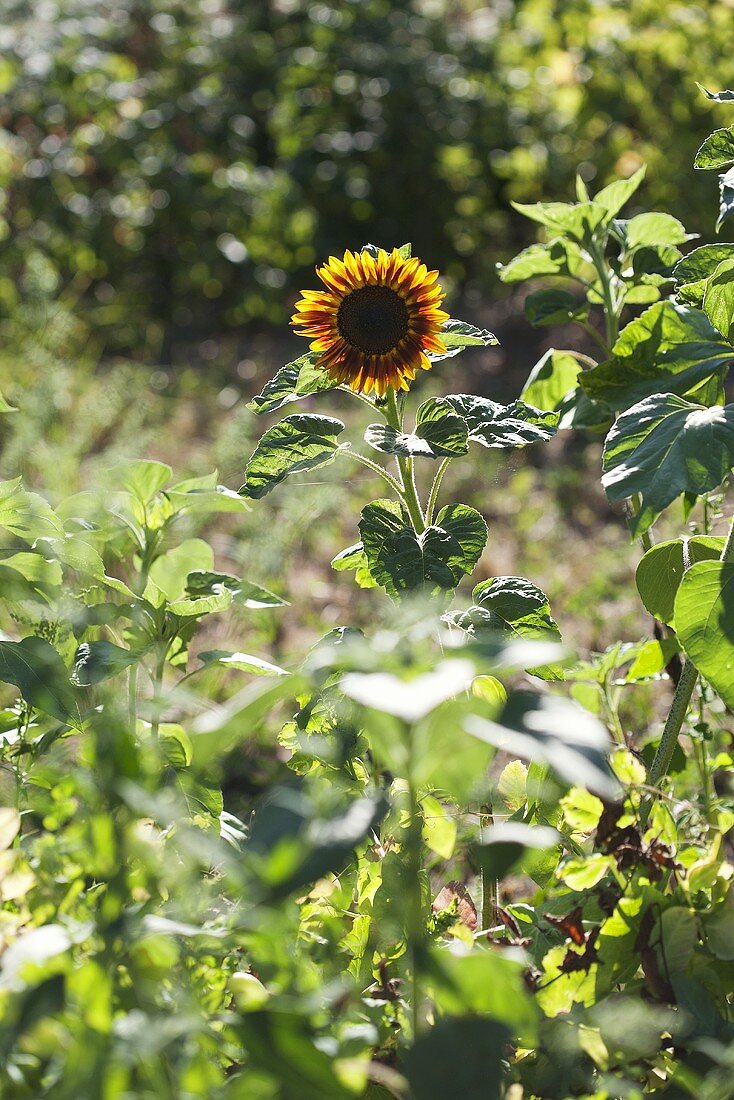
column 405, row 465
column 433, row 495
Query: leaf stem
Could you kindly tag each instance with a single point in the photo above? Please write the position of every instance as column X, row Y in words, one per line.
column 433, row 495
column 377, row 469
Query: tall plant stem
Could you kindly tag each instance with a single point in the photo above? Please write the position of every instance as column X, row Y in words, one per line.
column 680, row 704
column 611, row 307
column 405, row 465
column 414, row 923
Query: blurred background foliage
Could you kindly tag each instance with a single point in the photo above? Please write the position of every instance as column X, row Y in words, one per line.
column 181, row 166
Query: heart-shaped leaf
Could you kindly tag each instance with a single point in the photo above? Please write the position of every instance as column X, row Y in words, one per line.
column 434, row 561
column 661, row 570
column 293, row 382
column 665, row 446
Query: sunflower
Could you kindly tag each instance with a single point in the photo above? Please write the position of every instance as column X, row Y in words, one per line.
column 378, row 317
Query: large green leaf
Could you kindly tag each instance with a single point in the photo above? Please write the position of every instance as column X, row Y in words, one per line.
column 28, row 576
column 704, row 623
column 558, row 257
column 661, row 570
column 439, row 432
column 503, row 426
column 298, row 443
column 668, row 349
column 434, row 561
column 293, row 382
column 717, row 150
column 553, row 730
column 26, row 514
column 665, row 446
column 654, row 229
column 460, row 1056
column 551, row 380
column 97, row 661
column 614, row 196
column 718, row 299
column 693, row 271
column 201, row 582
column 36, row 669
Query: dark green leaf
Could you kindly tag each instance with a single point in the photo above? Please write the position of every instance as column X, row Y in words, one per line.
column 458, row 1057
column 704, row 623
column 665, row 446
column 96, row 661
column 439, row 432
column 201, row 582
column 436, row 560
column 553, row 307
column 293, row 382
column 36, row 669
column 669, row 348
column 661, row 570
column 694, row 269
column 298, row 443
column 717, row 150
column 504, row 426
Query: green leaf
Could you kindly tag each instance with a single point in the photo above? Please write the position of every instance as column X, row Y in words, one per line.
column 704, row 623
column 434, row 561
column 576, row 220
column 243, row 662
column 97, row 661
column 717, row 150
column 439, row 827
column 551, row 729
column 654, row 229
column 554, row 307
column 168, row 575
column 439, row 432
column 510, row 605
column 354, row 557
column 36, row 669
column 26, row 514
column 551, row 380
column 457, row 335
column 145, row 478
column 28, row 576
column 718, row 299
column 614, row 196
column 692, row 272
column 665, row 446
column 293, row 382
column 661, row 570
column 177, row 749
column 558, row 257
column 668, row 349
column 503, row 426
column 203, row 582
column 512, row 785
column 298, row 443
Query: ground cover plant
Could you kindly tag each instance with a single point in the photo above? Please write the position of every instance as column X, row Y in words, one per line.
column 463, row 870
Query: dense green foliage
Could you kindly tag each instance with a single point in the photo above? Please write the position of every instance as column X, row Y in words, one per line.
column 442, row 855
column 183, row 165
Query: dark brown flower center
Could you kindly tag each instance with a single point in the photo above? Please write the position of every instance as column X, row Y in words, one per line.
column 373, row 319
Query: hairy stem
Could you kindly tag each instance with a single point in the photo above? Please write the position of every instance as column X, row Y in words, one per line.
column 433, row 495
column 405, row 465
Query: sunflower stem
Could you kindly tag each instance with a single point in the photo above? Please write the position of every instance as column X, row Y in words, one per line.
column 405, row 465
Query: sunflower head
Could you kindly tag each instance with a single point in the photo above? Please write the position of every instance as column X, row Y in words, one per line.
column 375, row 321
